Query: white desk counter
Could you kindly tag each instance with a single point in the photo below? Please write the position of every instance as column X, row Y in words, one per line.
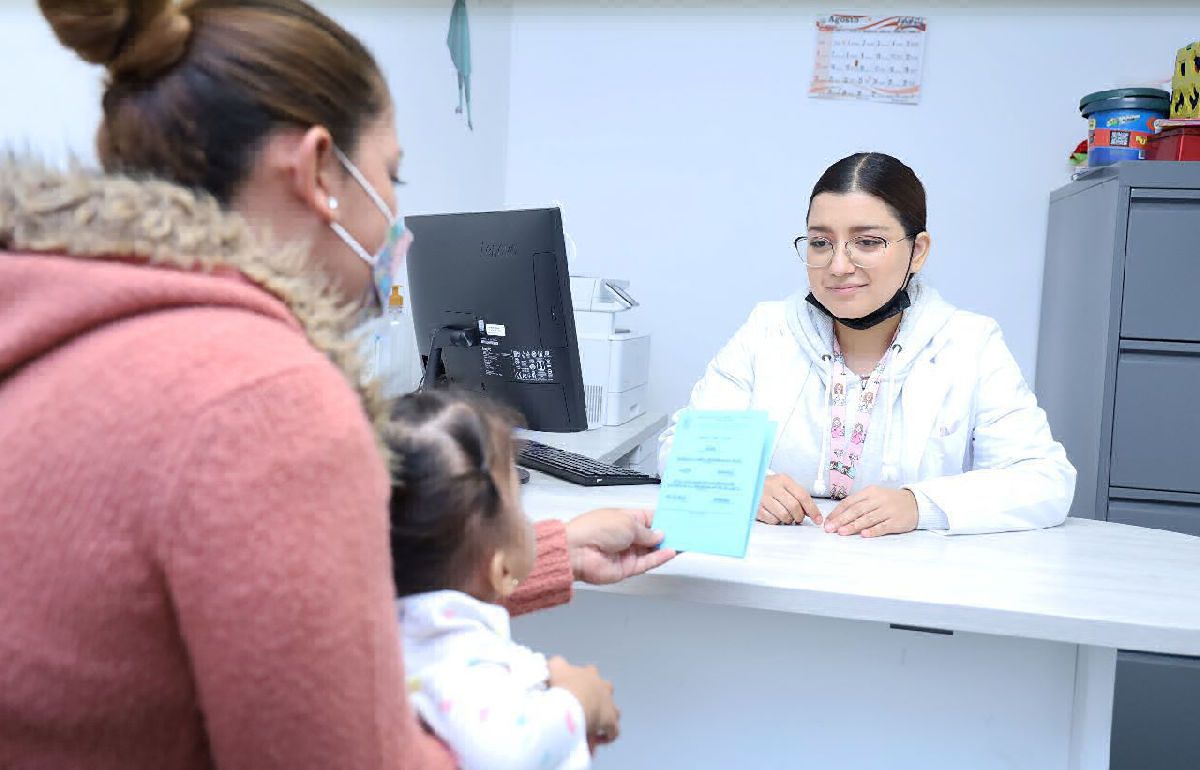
column 1024, row 681
column 607, row 444
column 1086, row 582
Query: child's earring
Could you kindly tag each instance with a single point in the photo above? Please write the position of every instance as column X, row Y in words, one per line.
column 333, row 203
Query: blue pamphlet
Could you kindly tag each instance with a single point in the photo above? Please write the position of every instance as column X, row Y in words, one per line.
column 713, row 481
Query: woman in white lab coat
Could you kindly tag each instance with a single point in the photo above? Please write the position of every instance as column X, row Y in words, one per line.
column 910, row 412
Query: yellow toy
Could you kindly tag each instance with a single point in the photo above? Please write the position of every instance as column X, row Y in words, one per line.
column 1185, row 83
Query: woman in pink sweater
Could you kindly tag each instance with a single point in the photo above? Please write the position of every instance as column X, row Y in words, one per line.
column 193, row 504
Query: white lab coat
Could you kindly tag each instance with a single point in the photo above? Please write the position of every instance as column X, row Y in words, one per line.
column 954, row 422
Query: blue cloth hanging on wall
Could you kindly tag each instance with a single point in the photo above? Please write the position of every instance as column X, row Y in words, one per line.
column 458, row 40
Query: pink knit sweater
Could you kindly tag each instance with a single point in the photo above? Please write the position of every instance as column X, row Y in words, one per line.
column 194, row 566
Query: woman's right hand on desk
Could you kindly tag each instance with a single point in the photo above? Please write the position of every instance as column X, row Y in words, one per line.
column 786, row 502
column 594, row 694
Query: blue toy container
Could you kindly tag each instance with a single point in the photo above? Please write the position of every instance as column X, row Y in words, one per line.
column 1121, row 121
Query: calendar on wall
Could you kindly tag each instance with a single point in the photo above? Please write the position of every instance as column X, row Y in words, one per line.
column 865, row 57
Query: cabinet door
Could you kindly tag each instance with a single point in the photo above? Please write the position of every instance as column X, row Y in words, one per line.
column 1156, row 419
column 1162, row 266
column 1156, row 713
column 1175, row 517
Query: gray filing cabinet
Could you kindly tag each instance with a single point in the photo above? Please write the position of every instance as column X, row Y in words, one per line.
column 1118, row 373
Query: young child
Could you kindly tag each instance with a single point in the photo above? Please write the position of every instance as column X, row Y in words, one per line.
column 461, row 545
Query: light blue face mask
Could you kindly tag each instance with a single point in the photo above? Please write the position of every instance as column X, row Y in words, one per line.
column 390, row 256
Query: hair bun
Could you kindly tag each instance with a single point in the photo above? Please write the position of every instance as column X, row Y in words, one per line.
column 133, row 38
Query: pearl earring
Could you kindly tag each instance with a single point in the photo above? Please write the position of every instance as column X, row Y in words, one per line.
column 333, row 204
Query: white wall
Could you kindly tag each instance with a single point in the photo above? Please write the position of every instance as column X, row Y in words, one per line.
column 683, row 145
column 52, row 100
column 447, row 166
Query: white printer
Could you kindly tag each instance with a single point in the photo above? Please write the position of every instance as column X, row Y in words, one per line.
column 615, row 360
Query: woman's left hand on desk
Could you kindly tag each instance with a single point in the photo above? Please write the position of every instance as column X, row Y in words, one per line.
column 611, row 544
column 874, row 511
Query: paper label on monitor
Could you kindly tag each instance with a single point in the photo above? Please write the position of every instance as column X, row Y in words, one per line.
column 493, row 360
column 495, row 330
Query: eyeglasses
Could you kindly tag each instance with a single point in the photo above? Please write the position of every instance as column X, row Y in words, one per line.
column 865, row 251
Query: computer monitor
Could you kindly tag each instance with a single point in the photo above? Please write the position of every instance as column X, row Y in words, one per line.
column 492, row 307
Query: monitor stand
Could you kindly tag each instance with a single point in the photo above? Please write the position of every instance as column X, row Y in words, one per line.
column 445, row 337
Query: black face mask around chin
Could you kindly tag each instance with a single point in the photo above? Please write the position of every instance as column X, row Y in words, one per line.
column 899, row 302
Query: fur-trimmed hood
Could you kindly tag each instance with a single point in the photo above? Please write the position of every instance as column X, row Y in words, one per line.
column 89, row 215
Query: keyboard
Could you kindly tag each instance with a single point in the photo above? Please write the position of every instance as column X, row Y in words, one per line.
column 577, row 469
